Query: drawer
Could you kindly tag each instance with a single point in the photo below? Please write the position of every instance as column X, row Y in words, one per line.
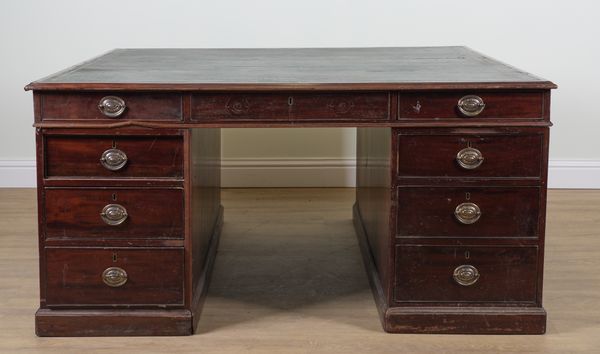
column 114, row 156
column 76, row 213
column 291, row 106
column 114, row 277
column 470, row 154
column 113, row 106
column 445, row 105
column 468, row 211
column 459, row 274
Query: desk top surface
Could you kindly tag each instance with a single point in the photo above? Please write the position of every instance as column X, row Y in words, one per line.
column 291, row 68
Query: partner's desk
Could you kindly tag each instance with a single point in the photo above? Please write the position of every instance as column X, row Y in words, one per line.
column 452, row 151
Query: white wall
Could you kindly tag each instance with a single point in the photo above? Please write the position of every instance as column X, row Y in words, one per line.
column 557, row 40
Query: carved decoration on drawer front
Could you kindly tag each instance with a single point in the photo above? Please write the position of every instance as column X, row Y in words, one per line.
column 340, row 106
column 238, row 105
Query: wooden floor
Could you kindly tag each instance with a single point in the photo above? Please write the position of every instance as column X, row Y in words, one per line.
column 264, row 296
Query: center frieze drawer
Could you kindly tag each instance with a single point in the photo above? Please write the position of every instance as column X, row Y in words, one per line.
column 114, row 156
column 114, row 276
column 364, row 106
column 113, row 213
column 464, row 274
column 468, row 211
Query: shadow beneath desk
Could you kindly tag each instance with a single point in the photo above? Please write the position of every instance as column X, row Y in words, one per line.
column 289, row 263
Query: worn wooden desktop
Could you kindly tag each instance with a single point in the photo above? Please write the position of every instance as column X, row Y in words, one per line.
column 452, row 151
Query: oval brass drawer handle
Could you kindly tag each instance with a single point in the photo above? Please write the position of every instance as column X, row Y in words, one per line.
column 112, row 106
column 114, row 214
column 467, row 213
column 113, row 159
column 114, row 277
column 469, row 158
column 465, row 275
column 470, row 105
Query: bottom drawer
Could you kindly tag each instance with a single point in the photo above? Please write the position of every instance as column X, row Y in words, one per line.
column 506, row 274
column 114, row 277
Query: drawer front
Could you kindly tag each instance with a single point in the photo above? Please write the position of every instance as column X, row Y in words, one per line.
column 242, row 106
column 340, row 106
column 470, row 155
column 449, row 211
column 445, row 105
column 291, row 106
column 128, row 213
column 504, row 274
column 113, row 277
column 114, row 157
column 90, row 106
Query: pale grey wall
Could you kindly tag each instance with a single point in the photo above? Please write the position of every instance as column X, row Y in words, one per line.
column 555, row 40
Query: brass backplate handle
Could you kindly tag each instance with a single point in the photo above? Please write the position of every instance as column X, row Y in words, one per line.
column 112, row 106
column 470, row 105
column 465, row 275
column 114, row 214
column 114, row 277
column 469, row 158
column 467, row 213
column 113, row 159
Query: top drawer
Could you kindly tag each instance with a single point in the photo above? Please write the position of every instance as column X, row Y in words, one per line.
column 104, row 105
column 332, row 106
column 471, row 105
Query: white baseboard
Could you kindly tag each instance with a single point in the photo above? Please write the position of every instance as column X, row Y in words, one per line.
column 17, row 174
column 576, row 174
column 288, row 173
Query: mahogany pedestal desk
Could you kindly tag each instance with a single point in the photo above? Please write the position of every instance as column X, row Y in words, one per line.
column 452, row 151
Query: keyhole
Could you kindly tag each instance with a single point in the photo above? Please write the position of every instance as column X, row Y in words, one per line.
column 114, row 197
column 290, row 101
column 114, row 144
column 467, row 254
column 469, row 144
column 468, row 196
column 114, row 257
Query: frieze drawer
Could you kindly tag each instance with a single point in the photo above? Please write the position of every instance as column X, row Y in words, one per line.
column 291, row 106
column 472, row 105
column 114, row 106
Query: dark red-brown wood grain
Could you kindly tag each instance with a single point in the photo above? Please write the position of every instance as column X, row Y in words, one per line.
column 154, row 276
column 84, row 106
column 408, row 182
column 152, row 213
column 147, row 156
column 507, row 274
column 444, row 105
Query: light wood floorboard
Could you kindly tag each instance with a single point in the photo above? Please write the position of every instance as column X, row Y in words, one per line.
column 289, row 279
